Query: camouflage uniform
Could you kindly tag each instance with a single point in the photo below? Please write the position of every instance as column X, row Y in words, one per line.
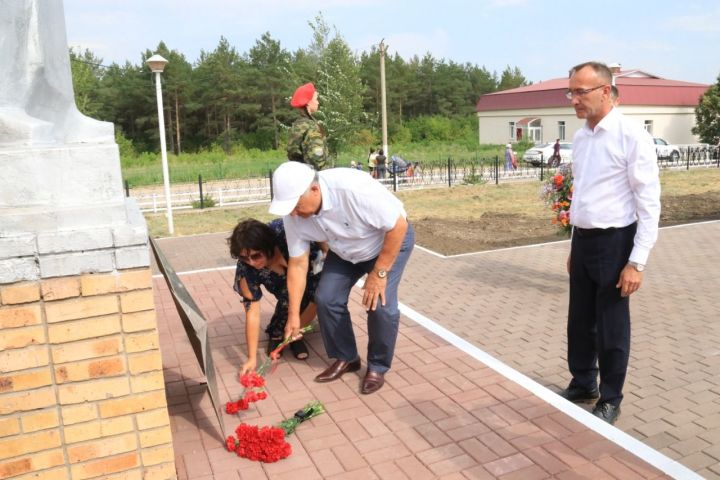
column 306, row 142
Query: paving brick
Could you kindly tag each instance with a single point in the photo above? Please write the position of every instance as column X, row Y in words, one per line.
column 536, row 345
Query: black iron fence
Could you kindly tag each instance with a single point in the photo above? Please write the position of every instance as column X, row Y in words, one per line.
column 436, row 174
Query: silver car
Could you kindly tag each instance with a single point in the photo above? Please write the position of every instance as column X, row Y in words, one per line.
column 544, row 152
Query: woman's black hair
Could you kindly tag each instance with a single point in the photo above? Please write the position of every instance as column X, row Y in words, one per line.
column 252, row 234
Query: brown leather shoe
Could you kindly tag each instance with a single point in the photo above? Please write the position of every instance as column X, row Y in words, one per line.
column 337, row 369
column 372, row 382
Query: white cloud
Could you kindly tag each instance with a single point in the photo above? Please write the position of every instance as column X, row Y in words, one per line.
column 707, row 23
column 408, row 44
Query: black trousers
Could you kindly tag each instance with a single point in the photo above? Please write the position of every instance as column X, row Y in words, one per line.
column 599, row 318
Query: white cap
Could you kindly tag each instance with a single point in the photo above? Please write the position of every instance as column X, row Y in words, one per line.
column 290, row 181
column 508, row 146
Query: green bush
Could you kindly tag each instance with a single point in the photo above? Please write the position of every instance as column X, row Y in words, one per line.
column 208, row 202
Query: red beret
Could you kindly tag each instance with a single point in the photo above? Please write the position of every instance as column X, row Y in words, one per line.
column 303, row 95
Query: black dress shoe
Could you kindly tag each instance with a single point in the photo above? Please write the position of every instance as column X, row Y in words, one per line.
column 607, row 411
column 337, row 369
column 577, row 394
column 372, row 382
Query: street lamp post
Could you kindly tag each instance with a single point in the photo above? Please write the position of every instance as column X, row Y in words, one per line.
column 157, row 65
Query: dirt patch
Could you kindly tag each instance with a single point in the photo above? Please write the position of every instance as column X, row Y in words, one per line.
column 494, row 230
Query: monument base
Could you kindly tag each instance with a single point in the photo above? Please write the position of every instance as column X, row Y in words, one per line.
column 60, row 187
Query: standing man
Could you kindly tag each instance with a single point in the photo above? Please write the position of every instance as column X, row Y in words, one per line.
column 367, row 231
column 615, row 212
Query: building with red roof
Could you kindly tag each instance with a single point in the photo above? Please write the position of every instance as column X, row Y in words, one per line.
column 541, row 112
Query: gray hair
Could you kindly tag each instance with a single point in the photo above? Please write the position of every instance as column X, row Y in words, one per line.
column 600, row 69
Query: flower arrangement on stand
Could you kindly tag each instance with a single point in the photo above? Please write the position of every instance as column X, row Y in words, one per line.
column 557, row 192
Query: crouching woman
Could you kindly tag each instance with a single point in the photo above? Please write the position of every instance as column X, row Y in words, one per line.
column 262, row 254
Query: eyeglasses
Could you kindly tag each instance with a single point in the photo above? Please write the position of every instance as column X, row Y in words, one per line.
column 252, row 257
column 581, row 92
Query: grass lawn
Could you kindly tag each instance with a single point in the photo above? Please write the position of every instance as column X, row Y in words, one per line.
column 465, row 202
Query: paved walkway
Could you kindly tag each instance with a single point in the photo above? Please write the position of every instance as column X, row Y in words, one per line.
column 445, row 414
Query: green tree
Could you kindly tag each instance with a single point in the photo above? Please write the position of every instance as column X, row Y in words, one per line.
column 177, row 91
column 339, row 85
column 512, row 78
column 272, row 73
column 86, row 71
column 219, row 76
column 707, row 115
column 127, row 98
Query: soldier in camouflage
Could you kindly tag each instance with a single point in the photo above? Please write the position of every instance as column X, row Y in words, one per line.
column 306, row 140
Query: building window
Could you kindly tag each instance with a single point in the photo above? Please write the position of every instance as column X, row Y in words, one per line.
column 512, row 130
column 649, row 126
column 561, row 130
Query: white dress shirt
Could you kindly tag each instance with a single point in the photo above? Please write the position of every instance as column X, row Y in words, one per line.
column 356, row 213
column 616, row 180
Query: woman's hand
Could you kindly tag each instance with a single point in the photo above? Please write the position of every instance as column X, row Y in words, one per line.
column 248, row 366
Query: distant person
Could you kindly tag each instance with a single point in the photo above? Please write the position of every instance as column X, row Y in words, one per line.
column 555, row 159
column 410, row 172
column 368, row 233
column 508, row 157
column 262, row 253
column 306, row 140
column 615, row 212
column 380, row 165
column 371, row 162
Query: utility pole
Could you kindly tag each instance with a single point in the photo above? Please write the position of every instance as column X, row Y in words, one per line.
column 383, row 49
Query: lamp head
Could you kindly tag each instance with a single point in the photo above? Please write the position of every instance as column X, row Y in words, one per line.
column 156, row 63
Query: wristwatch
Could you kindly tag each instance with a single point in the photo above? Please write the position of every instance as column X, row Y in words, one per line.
column 637, row 266
column 382, row 273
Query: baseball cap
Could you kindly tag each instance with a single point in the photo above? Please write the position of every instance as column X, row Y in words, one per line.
column 290, row 180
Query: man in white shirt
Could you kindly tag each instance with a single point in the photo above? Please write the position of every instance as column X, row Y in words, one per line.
column 367, row 231
column 615, row 212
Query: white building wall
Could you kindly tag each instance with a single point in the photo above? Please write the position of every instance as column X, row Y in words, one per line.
column 674, row 124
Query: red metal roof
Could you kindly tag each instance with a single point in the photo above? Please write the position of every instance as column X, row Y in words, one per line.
column 633, row 91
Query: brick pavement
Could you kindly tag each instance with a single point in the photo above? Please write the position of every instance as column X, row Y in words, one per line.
column 443, row 413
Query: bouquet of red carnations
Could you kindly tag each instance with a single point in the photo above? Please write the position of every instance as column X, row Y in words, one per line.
column 267, row 444
column 254, row 382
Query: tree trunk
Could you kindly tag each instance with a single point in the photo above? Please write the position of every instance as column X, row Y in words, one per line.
column 170, row 134
column 177, row 124
column 276, row 133
column 227, row 134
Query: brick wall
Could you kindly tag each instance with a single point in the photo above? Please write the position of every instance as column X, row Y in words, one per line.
column 81, row 382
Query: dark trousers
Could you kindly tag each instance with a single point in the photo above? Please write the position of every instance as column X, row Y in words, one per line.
column 599, row 318
column 337, row 279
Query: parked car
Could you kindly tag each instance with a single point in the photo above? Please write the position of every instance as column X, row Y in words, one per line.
column 666, row 150
column 544, row 153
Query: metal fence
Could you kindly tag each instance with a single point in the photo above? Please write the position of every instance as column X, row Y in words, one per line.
column 246, row 191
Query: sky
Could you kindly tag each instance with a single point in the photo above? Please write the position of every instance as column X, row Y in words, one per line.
column 679, row 40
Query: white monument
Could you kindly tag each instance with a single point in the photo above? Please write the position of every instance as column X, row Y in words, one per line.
column 61, row 188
